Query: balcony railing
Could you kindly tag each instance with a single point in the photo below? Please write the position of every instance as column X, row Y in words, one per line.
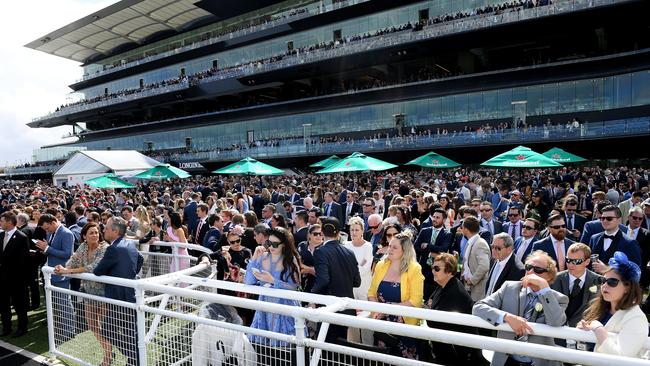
column 361, row 45
column 295, row 148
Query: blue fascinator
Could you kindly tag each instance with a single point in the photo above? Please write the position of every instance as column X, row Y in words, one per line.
column 628, row 270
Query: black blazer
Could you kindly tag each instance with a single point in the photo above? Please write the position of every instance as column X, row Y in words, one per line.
column 335, row 210
column 643, row 238
column 197, row 237
column 561, row 285
column 301, row 235
column 337, row 271
column 513, row 271
column 620, row 243
column 548, row 246
column 13, row 259
column 356, row 210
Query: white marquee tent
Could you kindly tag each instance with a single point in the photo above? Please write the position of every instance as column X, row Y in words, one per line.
column 87, row 164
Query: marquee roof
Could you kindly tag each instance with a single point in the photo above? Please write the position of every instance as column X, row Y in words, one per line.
column 120, row 162
column 127, row 22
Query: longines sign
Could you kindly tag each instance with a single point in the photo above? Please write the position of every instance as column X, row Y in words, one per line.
column 190, row 165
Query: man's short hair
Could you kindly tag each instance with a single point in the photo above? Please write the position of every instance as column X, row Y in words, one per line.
column 612, row 208
column 261, row 228
column 10, row 217
column 303, row 215
column 270, row 207
column 79, row 210
column 580, row 247
column 127, row 208
column 213, row 218
column 441, row 211
column 203, row 207
column 46, row 218
column 602, row 204
column 555, row 217
column 118, row 224
column 472, row 224
column 194, row 196
column 22, row 217
column 535, row 222
column 507, row 239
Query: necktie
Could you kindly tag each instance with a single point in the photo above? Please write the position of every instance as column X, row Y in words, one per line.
column 5, row 241
column 493, row 279
column 530, row 306
column 434, row 236
column 576, row 288
column 605, row 236
column 630, row 233
column 198, row 230
column 327, row 209
column 571, row 222
column 512, row 231
column 560, row 255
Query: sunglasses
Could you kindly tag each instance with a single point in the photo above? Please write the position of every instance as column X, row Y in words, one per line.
column 316, row 233
column 513, row 214
column 367, row 205
column 237, row 241
column 528, row 227
column 608, row 218
column 498, row 249
column 373, row 227
column 436, row 269
column 611, row 282
column 576, row 261
column 538, row 270
column 636, row 218
column 557, row 227
column 486, row 210
column 274, row 244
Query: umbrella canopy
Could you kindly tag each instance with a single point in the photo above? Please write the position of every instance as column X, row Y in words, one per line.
column 163, row 171
column 433, row 160
column 521, row 157
column 357, row 162
column 326, row 162
column 249, row 166
column 108, row 181
column 562, row 156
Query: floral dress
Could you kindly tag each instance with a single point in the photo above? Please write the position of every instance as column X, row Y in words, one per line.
column 269, row 321
column 81, row 259
column 390, row 292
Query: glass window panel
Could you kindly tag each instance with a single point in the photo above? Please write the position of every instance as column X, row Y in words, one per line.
column 447, row 109
column 549, row 92
column 505, row 103
column 641, row 88
column 475, row 106
column 566, row 96
column 490, row 104
column 534, row 99
column 460, row 107
column 584, row 95
column 622, row 91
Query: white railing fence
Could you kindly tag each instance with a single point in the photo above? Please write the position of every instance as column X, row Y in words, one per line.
column 187, row 318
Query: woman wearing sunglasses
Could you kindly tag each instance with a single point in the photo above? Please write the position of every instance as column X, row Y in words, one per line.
column 398, row 280
column 621, row 328
column 278, row 267
column 450, row 295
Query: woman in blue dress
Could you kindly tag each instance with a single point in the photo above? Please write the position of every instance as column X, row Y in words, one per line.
column 279, row 267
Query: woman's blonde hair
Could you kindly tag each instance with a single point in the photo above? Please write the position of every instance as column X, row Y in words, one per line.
column 357, row 221
column 408, row 251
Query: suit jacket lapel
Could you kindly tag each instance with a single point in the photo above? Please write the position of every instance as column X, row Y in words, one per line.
column 522, row 301
column 564, row 284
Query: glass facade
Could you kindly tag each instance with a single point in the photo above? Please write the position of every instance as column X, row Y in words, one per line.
column 265, row 49
column 620, row 91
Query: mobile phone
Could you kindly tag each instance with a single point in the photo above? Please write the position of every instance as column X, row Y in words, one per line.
column 34, row 241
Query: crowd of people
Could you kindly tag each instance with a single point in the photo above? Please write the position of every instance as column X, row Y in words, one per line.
column 566, row 246
column 297, row 52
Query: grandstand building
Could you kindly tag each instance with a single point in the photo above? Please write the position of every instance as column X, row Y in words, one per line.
column 195, row 81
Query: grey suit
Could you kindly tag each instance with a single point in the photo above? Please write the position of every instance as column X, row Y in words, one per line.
column 561, row 285
column 478, row 260
column 511, row 298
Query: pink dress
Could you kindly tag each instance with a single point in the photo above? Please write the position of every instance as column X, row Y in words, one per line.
column 183, row 263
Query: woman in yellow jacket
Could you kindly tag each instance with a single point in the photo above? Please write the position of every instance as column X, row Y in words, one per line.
column 398, row 280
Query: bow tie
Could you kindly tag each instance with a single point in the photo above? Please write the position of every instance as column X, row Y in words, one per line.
column 609, row 236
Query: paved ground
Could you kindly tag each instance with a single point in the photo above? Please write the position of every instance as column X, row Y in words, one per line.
column 12, row 356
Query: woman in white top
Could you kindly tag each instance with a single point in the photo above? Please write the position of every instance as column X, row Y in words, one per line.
column 362, row 250
column 620, row 326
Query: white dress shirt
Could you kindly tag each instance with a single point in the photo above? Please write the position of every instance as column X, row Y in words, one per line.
column 572, row 279
column 496, row 272
column 607, row 242
column 522, row 248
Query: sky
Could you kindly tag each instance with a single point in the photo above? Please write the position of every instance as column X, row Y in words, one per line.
column 34, row 83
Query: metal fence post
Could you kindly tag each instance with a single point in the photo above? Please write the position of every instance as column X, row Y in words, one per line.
column 50, row 316
column 300, row 345
column 140, row 319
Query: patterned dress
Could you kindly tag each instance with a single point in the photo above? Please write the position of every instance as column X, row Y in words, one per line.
column 81, row 259
column 390, row 292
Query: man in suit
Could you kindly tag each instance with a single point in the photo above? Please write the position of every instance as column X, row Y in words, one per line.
column 14, row 256
column 131, row 221
column 300, row 227
column 190, row 217
column 374, row 232
column 394, row 191
column 267, row 213
column 350, row 208
column 202, row 225
column 575, row 222
column 58, row 249
column 524, row 244
column 516, row 303
column 612, row 240
column 337, row 272
column 646, row 211
column 487, row 219
column 642, row 236
column 120, row 260
column 578, row 283
column 506, row 267
column 476, row 259
column 556, row 244
column 293, row 194
column 332, row 208
column 430, row 242
column 628, row 204
column 459, row 241
column 213, row 236
column 514, row 224
column 33, row 262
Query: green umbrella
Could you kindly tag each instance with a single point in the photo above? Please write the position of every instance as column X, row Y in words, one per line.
column 357, row 162
column 249, row 166
column 433, row 160
column 562, row 156
column 163, row 171
column 326, row 162
column 108, row 181
column 521, row 157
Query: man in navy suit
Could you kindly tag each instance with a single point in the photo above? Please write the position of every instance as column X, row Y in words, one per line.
column 190, row 217
column 642, row 236
column 594, row 227
column 612, row 240
column 429, row 221
column 58, row 249
column 430, row 242
column 513, row 226
column 332, row 208
column 575, row 223
column 120, row 260
column 505, row 267
column 14, row 256
column 555, row 244
column 213, row 236
column 350, row 208
column 337, row 272
column 524, row 244
column 487, row 219
column 202, row 225
column 646, row 211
